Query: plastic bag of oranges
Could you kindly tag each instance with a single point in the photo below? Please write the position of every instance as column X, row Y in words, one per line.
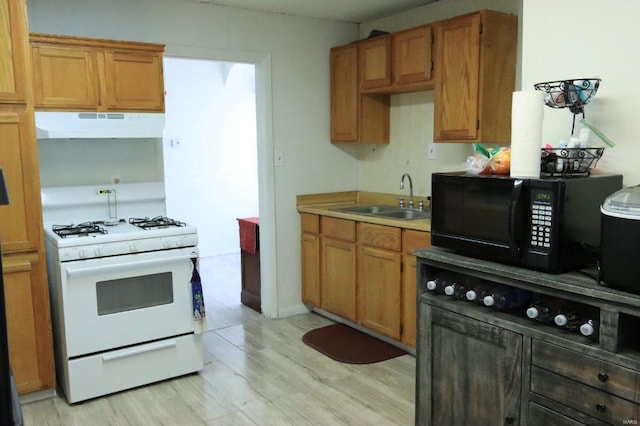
column 496, row 161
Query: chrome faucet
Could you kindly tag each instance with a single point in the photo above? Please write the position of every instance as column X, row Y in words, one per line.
column 410, row 188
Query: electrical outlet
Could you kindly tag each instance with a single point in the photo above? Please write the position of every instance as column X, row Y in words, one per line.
column 431, row 151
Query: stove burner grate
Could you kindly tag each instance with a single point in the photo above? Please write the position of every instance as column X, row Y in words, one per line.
column 155, row 223
column 81, row 230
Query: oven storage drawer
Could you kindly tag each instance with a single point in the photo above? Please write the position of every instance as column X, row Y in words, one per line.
column 113, row 371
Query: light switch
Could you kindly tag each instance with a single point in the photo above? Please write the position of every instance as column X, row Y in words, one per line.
column 279, row 158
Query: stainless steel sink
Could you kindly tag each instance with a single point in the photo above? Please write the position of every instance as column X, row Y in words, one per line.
column 366, row 209
column 391, row 212
column 406, row 214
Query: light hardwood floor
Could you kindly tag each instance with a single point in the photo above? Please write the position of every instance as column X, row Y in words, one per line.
column 257, row 372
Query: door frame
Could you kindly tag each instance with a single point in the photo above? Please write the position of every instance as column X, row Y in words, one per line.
column 266, row 178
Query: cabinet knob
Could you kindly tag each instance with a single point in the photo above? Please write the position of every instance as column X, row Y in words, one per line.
column 601, row 408
column 603, row 377
column 509, row 420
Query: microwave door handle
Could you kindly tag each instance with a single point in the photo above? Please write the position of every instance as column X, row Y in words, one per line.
column 513, row 210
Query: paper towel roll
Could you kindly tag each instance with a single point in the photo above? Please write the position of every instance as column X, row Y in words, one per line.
column 527, row 112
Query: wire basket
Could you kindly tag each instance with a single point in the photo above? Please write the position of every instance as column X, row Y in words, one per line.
column 569, row 161
column 573, row 94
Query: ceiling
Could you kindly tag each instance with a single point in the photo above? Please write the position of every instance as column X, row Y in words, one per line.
column 356, row 11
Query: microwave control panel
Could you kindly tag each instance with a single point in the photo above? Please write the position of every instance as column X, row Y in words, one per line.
column 541, row 220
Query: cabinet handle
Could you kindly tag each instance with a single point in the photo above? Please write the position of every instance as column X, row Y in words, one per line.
column 603, row 377
column 509, row 420
column 601, row 408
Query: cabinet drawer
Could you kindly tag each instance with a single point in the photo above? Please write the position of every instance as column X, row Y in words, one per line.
column 602, row 375
column 543, row 416
column 415, row 239
column 338, row 228
column 310, row 223
column 595, row 403
column 380, row 236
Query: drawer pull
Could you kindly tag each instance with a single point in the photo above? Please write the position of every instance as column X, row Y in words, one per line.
column 509, row 420
column 603, row 377
column 601, row 408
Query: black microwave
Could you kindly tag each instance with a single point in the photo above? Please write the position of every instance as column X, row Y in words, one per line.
column 550, row 224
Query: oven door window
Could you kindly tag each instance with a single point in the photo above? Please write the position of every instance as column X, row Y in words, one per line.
column 127, row 294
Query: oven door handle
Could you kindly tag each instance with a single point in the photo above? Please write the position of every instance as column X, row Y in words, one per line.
column 79, row 272
column 136, row 351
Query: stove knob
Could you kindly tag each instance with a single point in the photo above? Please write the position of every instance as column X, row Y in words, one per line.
column 99, row 251
column 133, row 247
column 180, row 242
column 82, row 254
column 166, row 243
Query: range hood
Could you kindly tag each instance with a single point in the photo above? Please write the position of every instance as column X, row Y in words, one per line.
column 98, row 125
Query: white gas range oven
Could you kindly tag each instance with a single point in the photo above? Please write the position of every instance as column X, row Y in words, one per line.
column 127, row 306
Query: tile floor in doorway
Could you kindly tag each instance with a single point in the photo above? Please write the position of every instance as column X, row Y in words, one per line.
column 257, row 372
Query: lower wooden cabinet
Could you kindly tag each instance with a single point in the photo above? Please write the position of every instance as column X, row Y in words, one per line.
column 338, row 272
column 28, row 321
column 474, row 374
column 380, row 279
column 338, row 267
column 362, row 272
column 411, row 240
column 310, row 258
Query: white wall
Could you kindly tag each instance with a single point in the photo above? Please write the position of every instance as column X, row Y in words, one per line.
column 597, row 39
column 71, row 162
column 210, row 149
column 297, row 51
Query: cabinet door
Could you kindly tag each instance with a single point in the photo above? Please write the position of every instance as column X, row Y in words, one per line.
column 411, row 240
column 470, row 372
column 379, row 290
column 134, row 81
column 65, row 78
column 311, row 269
column 344, row 94
column 13, row 50
column 457, row 81
column 374, row 63
column 20, row 221
column 28, row 322
column 412, row 56
column 339, row 277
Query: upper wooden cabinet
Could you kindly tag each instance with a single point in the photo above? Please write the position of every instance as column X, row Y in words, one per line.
column 73, row 73
column 412, row 61
column 13, row 51
column 374, row 61
column 355, row 117
column 475, row 58
column 66, row 77
column 396, row 63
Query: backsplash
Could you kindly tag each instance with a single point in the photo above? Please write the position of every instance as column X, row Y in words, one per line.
column 65, row 162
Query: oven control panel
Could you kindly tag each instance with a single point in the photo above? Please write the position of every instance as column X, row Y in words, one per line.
column 97, row 250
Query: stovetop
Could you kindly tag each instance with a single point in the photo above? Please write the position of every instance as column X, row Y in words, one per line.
column 165, row 233
column 96, row 228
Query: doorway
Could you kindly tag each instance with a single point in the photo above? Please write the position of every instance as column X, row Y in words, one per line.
column 211, row 166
